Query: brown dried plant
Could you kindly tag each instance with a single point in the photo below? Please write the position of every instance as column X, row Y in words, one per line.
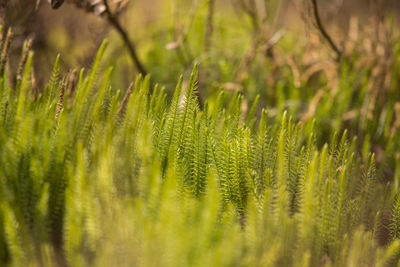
column 60, row 103
column 24, row 58
column 370, row 42
column 124, row 101
column 5, row 49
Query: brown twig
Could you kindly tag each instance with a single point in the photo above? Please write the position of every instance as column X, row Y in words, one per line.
column 112, row 19
column 323, row 31
column 125, row 99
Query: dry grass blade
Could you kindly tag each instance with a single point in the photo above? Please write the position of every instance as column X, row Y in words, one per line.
column 323, row 31
column 125, row 99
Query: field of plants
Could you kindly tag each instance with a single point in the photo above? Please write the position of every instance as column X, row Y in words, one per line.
column 200, row 133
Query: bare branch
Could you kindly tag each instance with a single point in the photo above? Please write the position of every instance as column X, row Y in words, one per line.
column 323, row 31
column 112, row 19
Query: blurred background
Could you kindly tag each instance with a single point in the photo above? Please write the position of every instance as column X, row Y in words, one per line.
column 165, row 30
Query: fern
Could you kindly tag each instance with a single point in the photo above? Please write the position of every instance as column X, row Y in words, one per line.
column 395, row 220
column 115, row 181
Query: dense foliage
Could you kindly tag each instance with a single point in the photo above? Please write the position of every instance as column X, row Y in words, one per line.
column 89, row 177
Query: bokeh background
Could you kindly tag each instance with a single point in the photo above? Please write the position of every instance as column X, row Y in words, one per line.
column 153, row 24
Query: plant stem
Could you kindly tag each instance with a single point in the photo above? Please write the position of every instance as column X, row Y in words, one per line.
column 124, row 35
column 210, row 26
column 323, row 31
